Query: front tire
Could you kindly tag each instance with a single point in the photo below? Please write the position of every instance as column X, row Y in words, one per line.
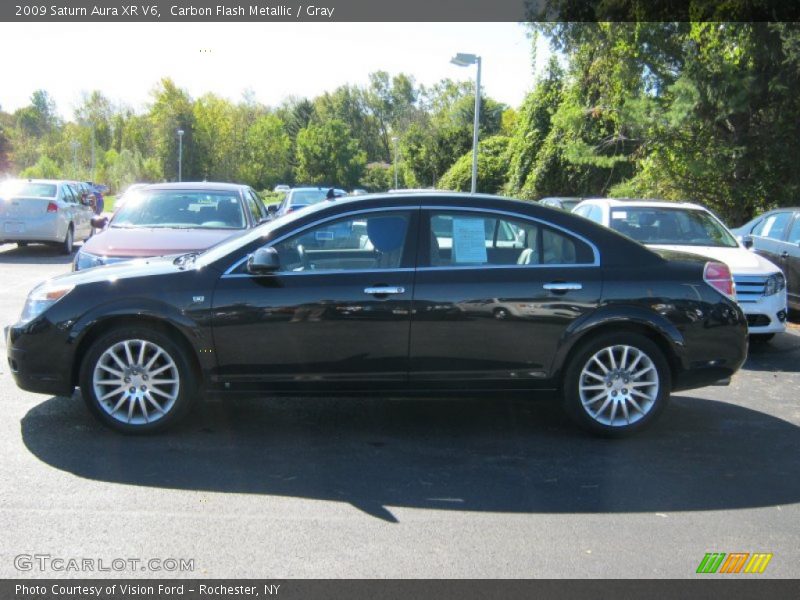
column 617, row 384
column 137, row 380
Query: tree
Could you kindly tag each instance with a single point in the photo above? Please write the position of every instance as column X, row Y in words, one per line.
column 266, row 160
column 172, row 109
column 328, row 154
column 492, row 168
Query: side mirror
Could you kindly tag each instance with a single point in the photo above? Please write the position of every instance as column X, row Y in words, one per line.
column 747, row 241
column 263, row 261
column 99, row 222
column 272, row 209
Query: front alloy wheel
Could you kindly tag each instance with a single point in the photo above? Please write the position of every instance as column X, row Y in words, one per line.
column 136, row 380
column 617, row 384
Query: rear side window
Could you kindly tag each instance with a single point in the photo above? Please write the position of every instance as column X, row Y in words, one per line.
column 474, row 239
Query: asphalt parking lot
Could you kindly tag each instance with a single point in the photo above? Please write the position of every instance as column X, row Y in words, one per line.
column 388, row 488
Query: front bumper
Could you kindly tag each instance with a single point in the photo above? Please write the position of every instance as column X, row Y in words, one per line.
column 36, row 364
column 767, row 314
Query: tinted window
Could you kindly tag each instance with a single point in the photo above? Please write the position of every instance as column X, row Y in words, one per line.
column 370, row 241
column 255, row 205
column 773, row 226
column 468, row 238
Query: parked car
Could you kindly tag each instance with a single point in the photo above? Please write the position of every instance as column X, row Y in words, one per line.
column 564, row 203
column 760, row 285
column 775, row 235
column 282, row 188
column 336, row 299
column 43, row 211
column 300, row 197
column 172, row 218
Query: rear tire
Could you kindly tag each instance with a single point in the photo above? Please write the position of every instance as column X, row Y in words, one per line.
column 617, row 384
column 137, row 380
column 69, row 241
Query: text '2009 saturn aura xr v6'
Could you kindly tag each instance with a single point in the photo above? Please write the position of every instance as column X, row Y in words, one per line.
column 401, row 294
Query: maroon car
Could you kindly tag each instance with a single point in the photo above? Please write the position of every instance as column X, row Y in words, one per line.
column 172, row 218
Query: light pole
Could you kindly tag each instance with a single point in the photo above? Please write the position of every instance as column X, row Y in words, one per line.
column 180, row 154
column 394, row 140
column 465, row 60
column 74, row 145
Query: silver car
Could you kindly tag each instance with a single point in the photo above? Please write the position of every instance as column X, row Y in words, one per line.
column 43, row 211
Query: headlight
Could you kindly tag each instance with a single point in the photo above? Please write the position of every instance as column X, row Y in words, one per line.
column 84, row 260
column 41, row 298
column 775, row 283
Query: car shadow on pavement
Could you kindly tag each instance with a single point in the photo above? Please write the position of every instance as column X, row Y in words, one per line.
column 782, row 354
column 35, row 254
column 467, row 455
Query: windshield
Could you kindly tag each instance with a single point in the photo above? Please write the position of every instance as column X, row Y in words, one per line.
column 181, row 209
column 303, row 197
column 27, row 189
column 671, row 226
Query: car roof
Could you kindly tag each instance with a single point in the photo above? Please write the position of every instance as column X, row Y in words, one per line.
column 196, row 185
column 633, row 202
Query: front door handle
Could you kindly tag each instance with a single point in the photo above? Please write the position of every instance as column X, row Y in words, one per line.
column 562, row 286
column 785, row 254
column 381, row 290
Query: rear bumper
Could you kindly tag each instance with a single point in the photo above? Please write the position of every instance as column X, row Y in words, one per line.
column 43, row 229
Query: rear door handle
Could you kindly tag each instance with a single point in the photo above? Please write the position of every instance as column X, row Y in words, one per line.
column 562, row 286
column 381, row 290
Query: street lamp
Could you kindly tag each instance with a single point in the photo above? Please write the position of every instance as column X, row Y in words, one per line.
column 465, row 60
column 74, row 145
column 394, row 140
column 180, row 153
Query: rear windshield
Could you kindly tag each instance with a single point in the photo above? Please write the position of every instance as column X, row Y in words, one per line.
column 181, row 209
column 27, row 189
column 671, row 226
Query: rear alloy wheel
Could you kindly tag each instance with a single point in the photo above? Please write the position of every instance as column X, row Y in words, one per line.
column 137, row 380
column 69, row 241
column 617, row 384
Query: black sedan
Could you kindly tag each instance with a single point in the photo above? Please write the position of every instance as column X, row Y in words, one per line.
column 386, row 294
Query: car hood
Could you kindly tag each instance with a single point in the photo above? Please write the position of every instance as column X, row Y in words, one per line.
column 739, row 260
column 139, row 267
column 137, row 242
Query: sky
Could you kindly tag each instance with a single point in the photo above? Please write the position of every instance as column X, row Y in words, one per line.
column 275, row 60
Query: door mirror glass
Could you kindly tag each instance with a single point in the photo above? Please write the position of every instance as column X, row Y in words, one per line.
column 263, row 261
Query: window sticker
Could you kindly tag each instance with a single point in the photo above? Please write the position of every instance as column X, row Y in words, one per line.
column 469, row 240
column 619, row 214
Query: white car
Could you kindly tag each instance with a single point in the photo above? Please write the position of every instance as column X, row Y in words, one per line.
column 43, row 211
column 687, row 227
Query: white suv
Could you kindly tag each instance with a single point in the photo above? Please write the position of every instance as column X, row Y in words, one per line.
column 686, row 227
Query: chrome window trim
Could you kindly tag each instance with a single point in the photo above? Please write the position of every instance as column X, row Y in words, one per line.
column 229, row 271
column 595, row 251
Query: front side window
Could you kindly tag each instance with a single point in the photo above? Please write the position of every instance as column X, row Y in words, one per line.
column 372, row 241
column 473, row 239
column 773, row 226
column 794, row 232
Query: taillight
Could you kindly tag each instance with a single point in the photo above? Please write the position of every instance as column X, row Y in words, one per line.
column 718, row 276
column 52, row 207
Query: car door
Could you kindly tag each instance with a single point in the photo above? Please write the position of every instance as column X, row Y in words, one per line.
column 494, row 294
column 790, row 261
column 335, row 313
column 768, row 234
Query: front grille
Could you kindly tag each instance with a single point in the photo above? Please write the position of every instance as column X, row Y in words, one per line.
column 758, row 320
column 749, row 288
